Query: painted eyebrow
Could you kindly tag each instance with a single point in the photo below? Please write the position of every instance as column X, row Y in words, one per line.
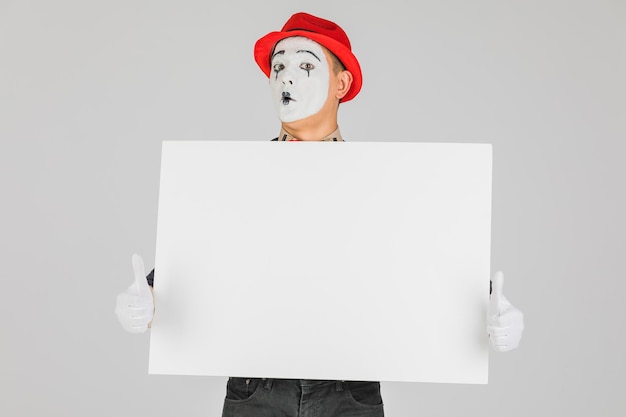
column 304, row 50
column 278, row 53
column 282, row 52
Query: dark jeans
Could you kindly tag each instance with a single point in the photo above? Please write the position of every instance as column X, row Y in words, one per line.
column 255, row 397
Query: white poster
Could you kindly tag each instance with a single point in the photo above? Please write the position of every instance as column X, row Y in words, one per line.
column 323, row 260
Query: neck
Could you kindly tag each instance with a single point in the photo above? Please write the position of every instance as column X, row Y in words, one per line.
column 313, row 128
column 310, row 133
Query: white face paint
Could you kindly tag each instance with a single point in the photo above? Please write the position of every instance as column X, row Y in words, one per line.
column 299, row 78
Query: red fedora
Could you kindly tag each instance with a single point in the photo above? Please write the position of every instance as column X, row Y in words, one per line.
column 324, row 32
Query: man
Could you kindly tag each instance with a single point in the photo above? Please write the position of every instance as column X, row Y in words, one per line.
column 311, row 69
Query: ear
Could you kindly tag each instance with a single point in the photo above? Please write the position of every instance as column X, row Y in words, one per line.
column 344, row 82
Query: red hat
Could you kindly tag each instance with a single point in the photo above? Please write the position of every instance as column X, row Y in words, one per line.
column 324, row 32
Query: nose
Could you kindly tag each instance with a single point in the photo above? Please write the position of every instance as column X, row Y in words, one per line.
column 286, row 77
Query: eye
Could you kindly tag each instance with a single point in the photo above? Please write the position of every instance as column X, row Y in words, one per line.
column 307, row 66
column 278, row 67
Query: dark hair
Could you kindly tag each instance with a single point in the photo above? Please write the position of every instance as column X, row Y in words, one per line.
column 336, row 62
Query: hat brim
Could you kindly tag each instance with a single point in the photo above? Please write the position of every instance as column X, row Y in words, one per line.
column 264, row 47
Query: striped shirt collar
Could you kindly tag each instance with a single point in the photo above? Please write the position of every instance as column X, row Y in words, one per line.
column 334, row 136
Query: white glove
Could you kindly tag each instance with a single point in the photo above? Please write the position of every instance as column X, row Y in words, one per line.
column 135, row 306
column 505, row 323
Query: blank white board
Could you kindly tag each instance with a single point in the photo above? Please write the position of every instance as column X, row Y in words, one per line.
column 323, row 260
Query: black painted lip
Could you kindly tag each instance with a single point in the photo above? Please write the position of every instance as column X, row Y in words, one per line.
column 286, row 97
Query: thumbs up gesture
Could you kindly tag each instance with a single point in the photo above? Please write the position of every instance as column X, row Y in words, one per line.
column 505, row 323
column 135, row 306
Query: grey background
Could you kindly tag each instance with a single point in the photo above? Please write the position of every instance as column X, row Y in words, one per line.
column 88, row 90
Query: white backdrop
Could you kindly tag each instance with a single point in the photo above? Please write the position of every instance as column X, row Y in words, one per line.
column 88, row 90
